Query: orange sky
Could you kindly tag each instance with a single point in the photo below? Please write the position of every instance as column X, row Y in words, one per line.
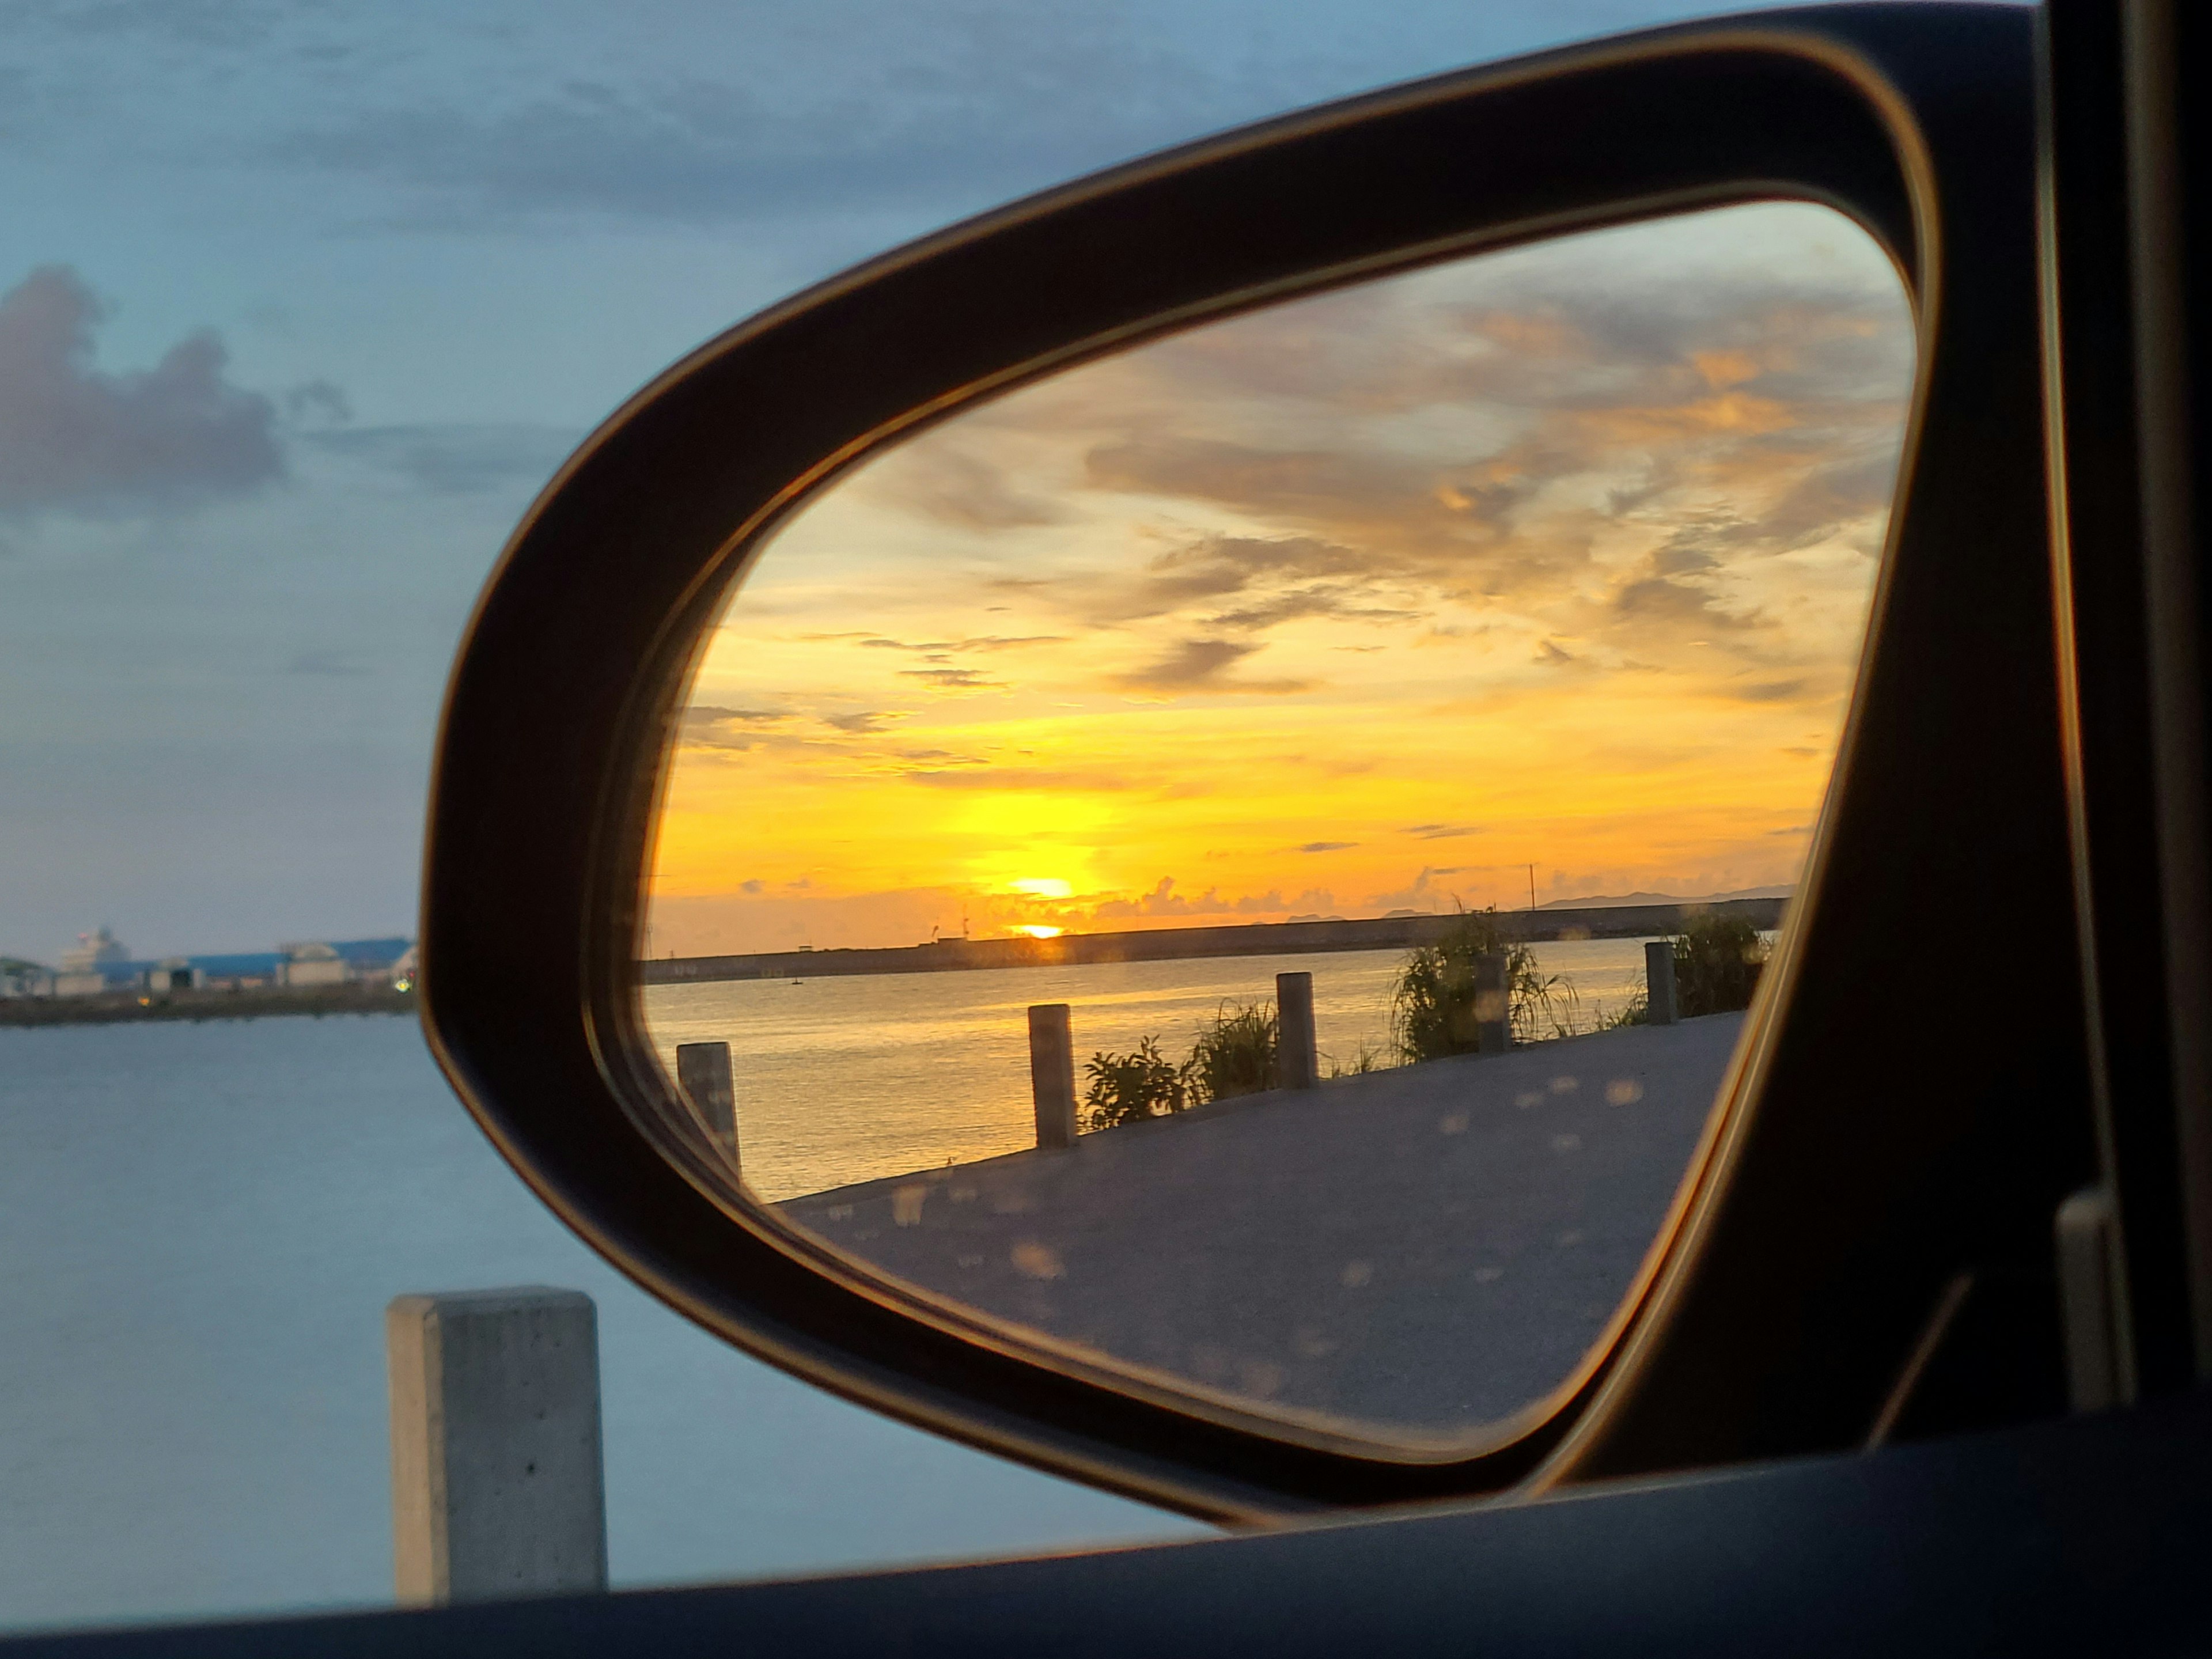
column 1359, row 604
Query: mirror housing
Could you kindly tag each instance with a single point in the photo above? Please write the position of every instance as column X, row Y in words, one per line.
column 1845, row 1187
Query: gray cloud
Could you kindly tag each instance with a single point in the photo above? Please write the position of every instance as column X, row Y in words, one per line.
column 1200, row 665
column 454, row 459
column 1665, row 599
column 486, row 110
column 1340, row 601
column 943, row 651
column 1315, row 483
column 961, row 490
column 705, row 726
column 954, row 679
column 1282, row 577
column 863, row 129
column 1164, row 901
column 695, row 153
column 708, row 714
column 1732, row 384
column 333, row 663
column 1827, row 496
column 1770, row 692
column 73, row 437
column 317, row 403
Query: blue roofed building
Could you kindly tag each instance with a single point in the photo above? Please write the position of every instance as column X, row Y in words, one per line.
column 342, row 961
column 98, row 963
column 237, row 970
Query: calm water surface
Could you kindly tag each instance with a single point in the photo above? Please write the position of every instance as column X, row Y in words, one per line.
column 851, row 1078
column 199, row 1228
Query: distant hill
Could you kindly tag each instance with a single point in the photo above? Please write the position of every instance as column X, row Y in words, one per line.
column 1614, row 901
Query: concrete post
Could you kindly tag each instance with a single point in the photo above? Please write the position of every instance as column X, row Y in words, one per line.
column 702, row 1071
column 496, row 1483
column 1297, row 1056
column 1493, row 1030
column 1661, row 1006
column 1052, row 1075
column 2097, row 1373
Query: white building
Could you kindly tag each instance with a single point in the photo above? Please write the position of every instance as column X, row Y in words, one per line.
column 97, row 962
column 341, row 962
column 313, row 962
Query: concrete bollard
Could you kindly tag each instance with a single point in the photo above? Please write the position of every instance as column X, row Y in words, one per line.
column 2095, row 1376
column 702, row 1071
column 496, row 1483
column 1493, row 1031
column 1052, row 1075
column 1661, row 1006
column 1297, row 1056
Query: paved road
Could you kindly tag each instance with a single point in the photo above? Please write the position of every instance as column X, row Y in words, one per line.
column 1431, row 1248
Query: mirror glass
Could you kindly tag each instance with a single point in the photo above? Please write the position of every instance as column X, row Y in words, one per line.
column 1246, row 858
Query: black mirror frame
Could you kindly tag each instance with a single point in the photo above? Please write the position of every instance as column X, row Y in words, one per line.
column 1805, row 1296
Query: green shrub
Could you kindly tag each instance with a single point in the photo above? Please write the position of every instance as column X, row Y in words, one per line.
column 1235, row 1055
column 1432, row 1013
column 1132, row 1087
column 1717, row 961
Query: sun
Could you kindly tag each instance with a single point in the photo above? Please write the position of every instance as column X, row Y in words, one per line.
column 1043, row 887
column 1038, row 930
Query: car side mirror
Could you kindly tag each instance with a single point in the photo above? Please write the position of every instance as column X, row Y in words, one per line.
column 1857, row 1165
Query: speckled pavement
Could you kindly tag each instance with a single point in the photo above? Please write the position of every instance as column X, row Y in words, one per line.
column 1430, row 1247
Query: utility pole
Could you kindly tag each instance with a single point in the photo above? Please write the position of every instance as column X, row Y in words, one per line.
column 1532, row 887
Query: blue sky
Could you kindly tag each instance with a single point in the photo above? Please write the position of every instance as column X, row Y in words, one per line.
column 303, row 302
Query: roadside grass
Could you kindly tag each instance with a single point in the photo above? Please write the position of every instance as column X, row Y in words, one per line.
column 1235, row 1055
column 1432, row 1007
column 1717, row 963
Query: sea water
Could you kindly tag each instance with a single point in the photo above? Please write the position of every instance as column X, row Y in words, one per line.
column 842, row 1079
column 200, row 1225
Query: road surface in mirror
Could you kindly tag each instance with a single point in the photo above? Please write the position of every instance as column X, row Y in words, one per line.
column 1247, row 859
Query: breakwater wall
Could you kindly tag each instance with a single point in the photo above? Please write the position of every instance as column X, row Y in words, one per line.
column 128, row 1007
column 1177, row 944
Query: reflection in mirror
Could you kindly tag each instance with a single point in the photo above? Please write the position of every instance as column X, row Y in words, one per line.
column 1247, row 859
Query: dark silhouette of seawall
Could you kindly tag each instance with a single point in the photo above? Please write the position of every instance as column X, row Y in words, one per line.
column 1273, row 938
